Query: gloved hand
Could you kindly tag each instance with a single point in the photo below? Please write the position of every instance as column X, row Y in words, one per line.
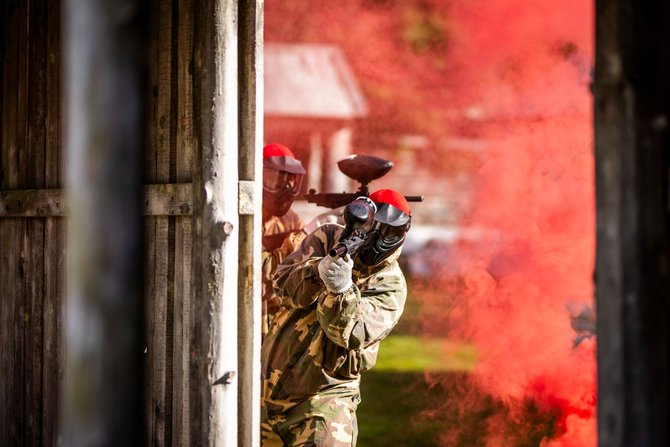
column 336, row 273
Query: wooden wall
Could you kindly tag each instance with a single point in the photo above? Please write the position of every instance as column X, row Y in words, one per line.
column 169, row 159
column 632, row 142
column 31, row 249
column 32, row 233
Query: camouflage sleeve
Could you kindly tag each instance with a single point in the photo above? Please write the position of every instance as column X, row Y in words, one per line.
column 268, row 267
column 359, row 317
column 297, row 281
column 270, row 260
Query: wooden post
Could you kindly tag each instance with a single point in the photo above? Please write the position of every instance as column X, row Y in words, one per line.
column 632, row 115
column 104, row 82
column 251, row 171
column 214, row 339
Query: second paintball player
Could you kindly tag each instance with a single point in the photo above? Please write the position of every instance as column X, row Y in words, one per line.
column 282, row 228
column 334, row 313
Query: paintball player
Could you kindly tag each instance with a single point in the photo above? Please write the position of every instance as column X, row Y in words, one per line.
column 334, row 312
column 282, row 228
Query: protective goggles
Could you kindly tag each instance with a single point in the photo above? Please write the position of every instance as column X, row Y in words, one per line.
column 389, row 235
column 276, row 181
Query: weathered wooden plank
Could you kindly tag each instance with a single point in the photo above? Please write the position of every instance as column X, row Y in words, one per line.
column 159, row 269
column 54, row 160
column 185, row 142
column 183, row 173
column 168, row 199
column 37, row 95
column 168, row 231
column 11, row 385
column 34, row 235
column 6, row 339
column 150, row 325
column 250, row 168
column 102, row 402
column 151, row 92
column 168, row 170
column 20, row 380
column 54, row 235
column 158, row 241
column 159, row 200
column 8, row 176
column 23, row 155
column 6, row 304
column 32, row 203
column 182, row 285
column 162, row 119
column 54, row 276
column 160, row 123
column 33, row 246
column 155, row 350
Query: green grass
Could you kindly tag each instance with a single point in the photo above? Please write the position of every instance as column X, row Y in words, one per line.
column 395, row 392
column 406, row 353
column 420, row 394
column 390, row 408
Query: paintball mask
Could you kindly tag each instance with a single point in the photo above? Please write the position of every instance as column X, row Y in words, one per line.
column 282, row 177
column 279, row 181
column 282, row 172
column 391, row 223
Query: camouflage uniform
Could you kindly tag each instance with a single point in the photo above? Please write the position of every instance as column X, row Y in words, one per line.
column 320, row 342
column 290, row 225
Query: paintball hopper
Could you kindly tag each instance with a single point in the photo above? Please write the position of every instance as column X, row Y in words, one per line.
column 364, row 168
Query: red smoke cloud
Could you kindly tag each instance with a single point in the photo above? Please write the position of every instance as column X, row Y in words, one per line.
column 513, row 74
column 523, row 78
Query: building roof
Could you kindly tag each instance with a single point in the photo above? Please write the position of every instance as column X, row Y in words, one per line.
column 310, row 81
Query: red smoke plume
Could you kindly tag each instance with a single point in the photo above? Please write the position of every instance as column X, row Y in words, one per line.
column 514, row 75
column 523, row 77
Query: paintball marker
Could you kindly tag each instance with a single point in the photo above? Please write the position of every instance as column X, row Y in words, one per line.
column 363, row 169
column 358, row 216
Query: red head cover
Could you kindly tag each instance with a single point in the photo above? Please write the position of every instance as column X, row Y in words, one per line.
column 279, row 157
column 391, row 197
column 276, row 150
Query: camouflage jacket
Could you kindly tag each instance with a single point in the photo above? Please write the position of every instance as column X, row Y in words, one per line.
column 320, row 340
column 289, row 225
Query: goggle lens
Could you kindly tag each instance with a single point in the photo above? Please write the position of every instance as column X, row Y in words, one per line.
column 389, row 234
column 276, row 181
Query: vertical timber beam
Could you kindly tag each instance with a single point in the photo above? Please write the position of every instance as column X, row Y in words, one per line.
column 214, row 368
column 250, row 171
column 632, row 116
column 104, row 81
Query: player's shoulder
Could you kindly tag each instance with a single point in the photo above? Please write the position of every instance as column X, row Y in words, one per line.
column 291, row 221
column 329, row 231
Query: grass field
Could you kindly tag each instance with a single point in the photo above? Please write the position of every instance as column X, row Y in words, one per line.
column 407, row 353
column 395, row 393
column 420, row 395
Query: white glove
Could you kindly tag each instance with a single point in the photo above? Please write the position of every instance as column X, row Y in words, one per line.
column 336, row 273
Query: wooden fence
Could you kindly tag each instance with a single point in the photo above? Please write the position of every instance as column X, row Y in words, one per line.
column 190, row 146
